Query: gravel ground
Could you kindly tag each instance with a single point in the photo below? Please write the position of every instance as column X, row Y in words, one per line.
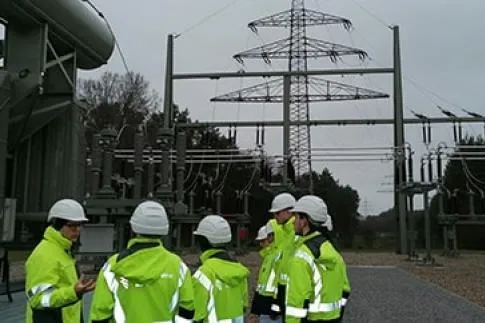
column 464, row 275
column 390, row 294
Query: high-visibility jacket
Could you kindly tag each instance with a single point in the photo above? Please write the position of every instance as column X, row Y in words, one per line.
column 315, row 281
column 346, row 285
column 143, row 283
column 346, row 288
column 267, row 281
column 50, row 279
column 220, row 288
column 285, row 241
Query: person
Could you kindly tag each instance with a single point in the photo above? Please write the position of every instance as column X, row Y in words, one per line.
column 284, row 232
column 316, row 277
column 53, row 285
column 144, row 282
column 266, row 287
column 220, row 283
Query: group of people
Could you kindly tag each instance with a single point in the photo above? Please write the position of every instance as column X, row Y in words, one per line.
column 302, row 276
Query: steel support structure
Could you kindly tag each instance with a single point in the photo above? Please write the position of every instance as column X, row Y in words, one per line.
column 400, row 206
column 324, row 122
column 166, row 133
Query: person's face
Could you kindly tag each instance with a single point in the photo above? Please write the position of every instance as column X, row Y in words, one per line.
column 263, row 243
column 300, row 223
column 282, row 216
column 71, row 231
column 270, row 238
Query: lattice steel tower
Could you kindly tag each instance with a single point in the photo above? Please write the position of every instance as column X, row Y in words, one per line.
column 297, row 48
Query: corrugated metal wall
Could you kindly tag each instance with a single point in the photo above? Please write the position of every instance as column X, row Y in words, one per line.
column 50, row 165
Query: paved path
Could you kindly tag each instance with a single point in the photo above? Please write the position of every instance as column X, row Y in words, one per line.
column 379, row 294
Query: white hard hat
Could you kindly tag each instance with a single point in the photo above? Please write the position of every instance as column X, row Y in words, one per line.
column 282, row 202
column 269, row 227
column 215, row 228
column 149, row 218
column 262, row 233
column 67, row 209
column 328, row 224
column 315, row 208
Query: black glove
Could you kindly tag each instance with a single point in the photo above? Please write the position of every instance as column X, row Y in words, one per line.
column 274, row 314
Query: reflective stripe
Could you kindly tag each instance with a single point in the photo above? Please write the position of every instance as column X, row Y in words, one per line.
column 284, row 277
column 296, row 312
column 343, row 302
column 317, row 306
column 183, row 269
column 324, row 307
column 46, row 299
column 113, row 286
column 46, row 289
column 207, row 284
column 179, row 319
column 270, row 286
column 40, row 288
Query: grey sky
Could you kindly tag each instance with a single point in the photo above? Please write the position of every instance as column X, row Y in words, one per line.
column 442, row 50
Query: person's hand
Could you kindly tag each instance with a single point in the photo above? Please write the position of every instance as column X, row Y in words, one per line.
column 84, row 285
column 273, row 315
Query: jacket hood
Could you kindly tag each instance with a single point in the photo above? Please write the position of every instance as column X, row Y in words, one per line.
column 325, row 252
column 267, row 250
column 329, row 257
column 219, row 264
column 143, row 262
column 283, row 231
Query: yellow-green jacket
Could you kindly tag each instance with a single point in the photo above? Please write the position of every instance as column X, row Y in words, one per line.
column 316, row 281
column 144, row 283
column 285, row 243
column 267, row 281
column 220, row 288
column 50, row 279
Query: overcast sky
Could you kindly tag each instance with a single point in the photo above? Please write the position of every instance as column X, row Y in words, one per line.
column 442, row 50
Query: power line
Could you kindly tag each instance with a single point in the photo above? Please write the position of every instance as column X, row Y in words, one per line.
column 212, row 15
column 373, row 15
column 118, row 47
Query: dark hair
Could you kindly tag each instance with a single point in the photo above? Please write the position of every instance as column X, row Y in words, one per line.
column 57, row 223
column 149, row 236
column 204, row 243
column 314, row 226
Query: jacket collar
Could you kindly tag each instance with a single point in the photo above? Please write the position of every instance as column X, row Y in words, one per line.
column 267, row 250
column 54, row 236
column 143, row 240
column 209, row 253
